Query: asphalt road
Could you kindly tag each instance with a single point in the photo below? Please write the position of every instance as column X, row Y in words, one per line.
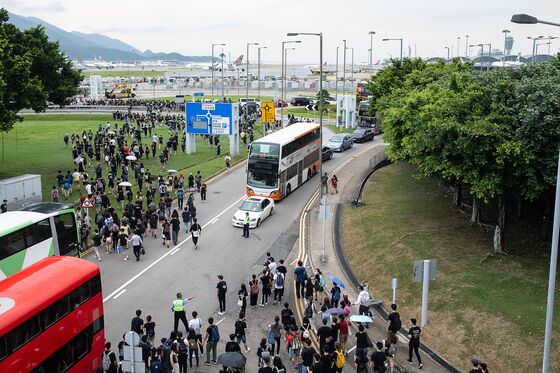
column 151, row 283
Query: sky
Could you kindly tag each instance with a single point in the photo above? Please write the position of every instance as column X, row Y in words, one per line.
column 190, row 27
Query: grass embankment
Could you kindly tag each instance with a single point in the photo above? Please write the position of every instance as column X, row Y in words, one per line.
column 493, row 310
column 336, row 129
column 124, row 73
column 302, row 112
column 40, row 150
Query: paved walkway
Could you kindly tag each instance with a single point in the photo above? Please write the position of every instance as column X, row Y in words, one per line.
column 350, row 175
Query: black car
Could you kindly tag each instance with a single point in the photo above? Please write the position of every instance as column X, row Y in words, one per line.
column 326, row 154
column 362, row 135
column 300, row 101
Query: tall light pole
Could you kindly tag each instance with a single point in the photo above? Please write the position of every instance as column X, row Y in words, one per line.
column 526, row 19
column 447, row 53
column 371, row 33
column 396, row 39
column 320, row 35
column 222, row 56
column 534, row 45
column 458, row 45
column 343, row 68
column 259, row 72
column 506, row 31
column 247, row 83
column 467, row 46
column 336, row 77
column 286, row 59
column 538, row 45
column 550, row 39
column 352, row 70
column 212, row 67
column 283, row 82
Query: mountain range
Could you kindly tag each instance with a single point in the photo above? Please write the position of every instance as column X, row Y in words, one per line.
column 82, row 47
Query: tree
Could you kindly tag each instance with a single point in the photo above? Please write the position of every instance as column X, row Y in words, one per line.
column 33, row 72
column 326, row 96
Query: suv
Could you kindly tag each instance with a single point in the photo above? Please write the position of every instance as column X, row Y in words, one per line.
column 243, row 101
column 300, row 101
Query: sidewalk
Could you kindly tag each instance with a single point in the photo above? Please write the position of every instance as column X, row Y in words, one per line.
column 350, row 176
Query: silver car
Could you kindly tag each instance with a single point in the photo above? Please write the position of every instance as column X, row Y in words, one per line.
column 340, row 142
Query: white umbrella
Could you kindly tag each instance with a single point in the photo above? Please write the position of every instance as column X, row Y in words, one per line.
column 361, row 318
column 172, row 171
column 131, row 157
column 78, row 159
column 125, row 184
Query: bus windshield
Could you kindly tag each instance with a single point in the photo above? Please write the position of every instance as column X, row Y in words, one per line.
column 262, row 174
column 265, row 151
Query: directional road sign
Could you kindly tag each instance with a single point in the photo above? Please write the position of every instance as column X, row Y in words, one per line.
column 418, row 270
column 268, row 115
column 205, row 118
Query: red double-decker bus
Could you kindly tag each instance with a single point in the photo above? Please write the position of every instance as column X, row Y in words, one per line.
column 51, row 318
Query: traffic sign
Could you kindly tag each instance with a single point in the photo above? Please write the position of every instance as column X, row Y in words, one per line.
column 205, row 118
column 268, row 114
column 87, row 203
column 418, row 270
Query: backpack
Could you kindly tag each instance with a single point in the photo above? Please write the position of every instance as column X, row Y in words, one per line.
column 239, row 330
column 254, row 288
column 308, row 311
column 296, row 342
column 285, row 316
column 340, row 359
column 398, row 324
column 183, row 350
column 322, row 282
column 165, row 353
column 279, row 280
column 336, row 295
column 106, row 361
column 214, row 334
column 392, row 350
column 192, row 344
column 156, row 366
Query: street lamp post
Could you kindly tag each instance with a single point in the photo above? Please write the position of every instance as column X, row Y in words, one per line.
column 506, row 31
column 212, row 67
column 467, row 46
column 344, row 68
column 259, row 72
column 320, row 35
column 550, row 39
column 352, row 69
column 247, row 82
column 371, row 33
column 283, row 79
column 222, row 56
column 396, row 39
column 286, row 59
column 447, row 53
column 534, row 45
column 336, row 77
column 526, row 19
column 458, row 45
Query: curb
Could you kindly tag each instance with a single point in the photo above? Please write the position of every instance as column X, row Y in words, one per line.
column 339, row 252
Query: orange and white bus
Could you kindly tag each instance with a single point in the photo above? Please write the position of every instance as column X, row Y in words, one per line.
column 280, row 162
column 51, row 318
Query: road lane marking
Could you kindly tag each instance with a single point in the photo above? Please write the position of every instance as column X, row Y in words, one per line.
column 174, row 250
column 215, row 220
column 218, row 323
column 294, row 261
column 135, row 277
column 352, row 349
column 119, row 294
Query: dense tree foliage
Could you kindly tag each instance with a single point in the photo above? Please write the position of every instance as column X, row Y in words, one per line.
column 495, row 132
column 33, row 72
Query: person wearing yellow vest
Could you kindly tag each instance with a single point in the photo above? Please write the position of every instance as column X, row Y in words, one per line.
column 246, row 225
column 178, row 309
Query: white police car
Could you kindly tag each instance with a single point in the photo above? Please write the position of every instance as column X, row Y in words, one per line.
column 259, row 208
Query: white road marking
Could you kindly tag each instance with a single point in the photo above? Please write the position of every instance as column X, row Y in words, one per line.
column 352, row 349
column 135, row 277
column 215, row 220
column 174, row 250
column 218, row 323
column 119, row 294
column 294, row 261
column 305, row 260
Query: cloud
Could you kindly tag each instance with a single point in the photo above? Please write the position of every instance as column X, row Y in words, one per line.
column 53, row 6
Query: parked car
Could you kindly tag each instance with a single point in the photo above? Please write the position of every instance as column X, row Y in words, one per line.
column 340, row 142
column 300, row 101
column 362, row 135
column 280, row 103
column 326, row 153
column 259, row 208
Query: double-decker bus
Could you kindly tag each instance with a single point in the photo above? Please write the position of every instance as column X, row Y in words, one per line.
column 51, row 318
column 280, row 162
column 37, row 231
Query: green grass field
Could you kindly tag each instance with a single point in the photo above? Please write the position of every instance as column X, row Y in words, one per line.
column 304, row 113
column 489, row 309
column 124, row 73
column 36, row 146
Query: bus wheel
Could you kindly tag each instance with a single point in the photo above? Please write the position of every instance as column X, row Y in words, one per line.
column 288, row 189
column 314, row 170
column 309, row 174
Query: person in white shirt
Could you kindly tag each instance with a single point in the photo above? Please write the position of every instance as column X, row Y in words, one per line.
column 363, row 300
column 272, row 266
column 196, row 324
column 137, row 242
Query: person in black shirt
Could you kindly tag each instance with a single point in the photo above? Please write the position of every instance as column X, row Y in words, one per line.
column 221, row 290
column 378, row 358
column 324, row 333
column 97, row 239
column 175, row 228
column 4, row 206
column 112, row 358
column 266, row 366
column 232, row 345
column 476, row 366
column 414, row 342
column 137, row 324
column 307, row 353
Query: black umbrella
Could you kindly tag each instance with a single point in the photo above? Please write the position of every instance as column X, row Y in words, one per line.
column 232, row 359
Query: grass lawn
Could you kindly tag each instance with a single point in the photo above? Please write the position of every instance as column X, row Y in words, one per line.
column 123, row 73
column 336, row 129
column 494, row 310
column 40, row 150
column 304, row 113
